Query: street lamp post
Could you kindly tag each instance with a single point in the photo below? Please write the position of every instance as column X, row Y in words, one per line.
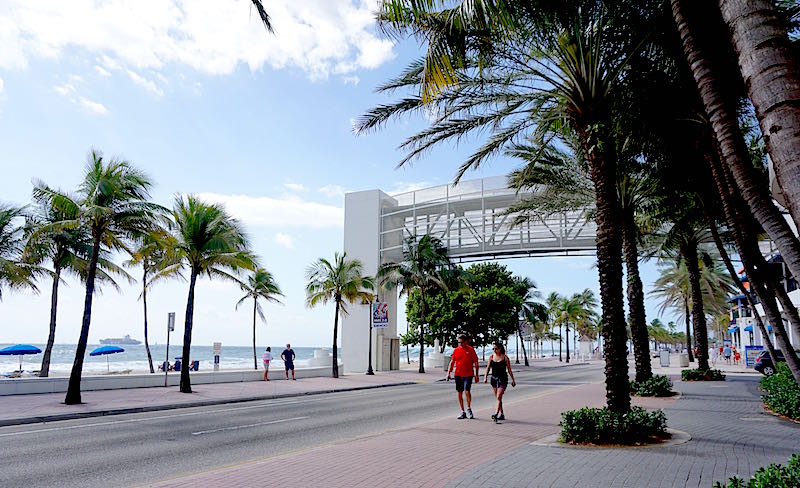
column 371, row 314
column 170, row 328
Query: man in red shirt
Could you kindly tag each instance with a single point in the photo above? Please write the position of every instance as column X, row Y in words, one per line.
column 465, row 361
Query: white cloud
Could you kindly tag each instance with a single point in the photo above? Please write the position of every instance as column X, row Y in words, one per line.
column 319, row 37
column 65, row 89
column 94, row 107
column 289, row 211
column 149, row 85
column 332, row 191
column 351, row 80
column 284, row 240
column 295, row 187
column 101, row 71
column 68, row 90
column 407, row 186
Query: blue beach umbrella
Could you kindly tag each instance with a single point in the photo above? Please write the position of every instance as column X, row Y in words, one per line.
column 19, row 350
column 105, row 351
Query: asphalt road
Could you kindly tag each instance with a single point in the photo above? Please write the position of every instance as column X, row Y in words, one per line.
column 129, row 450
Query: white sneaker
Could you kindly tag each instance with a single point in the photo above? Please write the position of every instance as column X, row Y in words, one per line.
column 469, row 413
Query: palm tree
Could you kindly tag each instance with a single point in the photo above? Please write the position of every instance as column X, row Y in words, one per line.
column 553, row 302
column 209, row 242
column 423, row 267
column 154, row 252
column 14, row 272
column 68, row 250
column 342, row 282
column 112, row 203
column 260, row 284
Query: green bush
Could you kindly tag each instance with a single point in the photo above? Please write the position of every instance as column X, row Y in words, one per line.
column 782, row 394
column 773, row 476
column 658, row 385
column 700, row 375
column 602, row 426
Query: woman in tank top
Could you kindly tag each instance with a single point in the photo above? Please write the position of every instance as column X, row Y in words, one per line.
column 500, row 368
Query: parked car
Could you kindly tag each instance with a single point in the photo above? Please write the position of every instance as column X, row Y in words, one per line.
column 764, row 362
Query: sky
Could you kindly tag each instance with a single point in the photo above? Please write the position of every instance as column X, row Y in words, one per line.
column 199, row 96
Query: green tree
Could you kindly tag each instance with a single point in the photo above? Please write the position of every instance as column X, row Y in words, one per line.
column 112, row 202
column 259, row 285
column 342, row 282
column 208, row 241
column 423, row 267
column 14, row 272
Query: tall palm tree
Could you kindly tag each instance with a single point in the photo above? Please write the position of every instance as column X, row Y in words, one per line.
column 208, row 241
column 15, row 273
column 260, row 285
column 424, row 267
column 68, row 250
column 111, row 202
column 342, row 282
column 154, row 252
column 553, row 302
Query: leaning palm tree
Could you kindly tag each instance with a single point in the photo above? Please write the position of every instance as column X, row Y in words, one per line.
column 111, row 202
column 208, row 241
column 14, row 272
column 424, row 267
column 341, row 281
column 68, row 250
column 154, row 251
column 259, row 285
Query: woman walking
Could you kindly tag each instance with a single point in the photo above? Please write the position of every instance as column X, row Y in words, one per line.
column 267, row 358
column 500, row 367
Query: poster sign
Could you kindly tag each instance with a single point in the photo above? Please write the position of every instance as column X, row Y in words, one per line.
column 380, row 314
column 750, row 354
column 171, row 321
column 217, row 348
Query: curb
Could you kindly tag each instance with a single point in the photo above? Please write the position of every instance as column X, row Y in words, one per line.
column 175, row 406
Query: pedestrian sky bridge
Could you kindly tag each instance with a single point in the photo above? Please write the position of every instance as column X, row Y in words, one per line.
column 471, row 220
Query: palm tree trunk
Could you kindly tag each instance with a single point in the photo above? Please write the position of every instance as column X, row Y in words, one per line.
column 770, row 69
column 524, row 352
column 255, row 361
column 186, row 384
column 422, row 330
column 73, row 396
column 732, row 147
column 144, row 306
column 566, row 332
column 44, row 370
column 688, row 331
column 698, row 315
column 638, row 319
column 335, row 365
column 609, row 258
column 560, row 342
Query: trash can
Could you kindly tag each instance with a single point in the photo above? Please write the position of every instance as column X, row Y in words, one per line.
column 664, row 358
column 178, row 364
column 684, row 360
column 446, row 362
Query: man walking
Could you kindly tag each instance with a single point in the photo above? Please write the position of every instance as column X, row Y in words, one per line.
column 288, row 360
column 465, row 361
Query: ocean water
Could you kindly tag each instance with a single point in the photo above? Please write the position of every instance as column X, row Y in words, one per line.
column 135, row 358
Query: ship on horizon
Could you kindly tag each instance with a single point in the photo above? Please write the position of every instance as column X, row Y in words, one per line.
column 124, row 340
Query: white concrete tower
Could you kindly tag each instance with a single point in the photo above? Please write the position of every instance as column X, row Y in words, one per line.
column 362, row 241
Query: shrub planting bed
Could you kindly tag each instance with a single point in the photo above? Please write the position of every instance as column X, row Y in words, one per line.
column 781, row 393
column 773, row 476
column 658, row 386
column 702, row 375
column 601, row 426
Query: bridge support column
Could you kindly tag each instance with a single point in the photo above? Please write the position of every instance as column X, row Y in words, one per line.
column 362, row 241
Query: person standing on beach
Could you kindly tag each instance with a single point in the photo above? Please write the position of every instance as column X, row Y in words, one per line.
column 500, row 367
column 288, row 360
column 267, row 359
column 465, row 361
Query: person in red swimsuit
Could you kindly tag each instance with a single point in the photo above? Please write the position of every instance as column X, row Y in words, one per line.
column 465, row 361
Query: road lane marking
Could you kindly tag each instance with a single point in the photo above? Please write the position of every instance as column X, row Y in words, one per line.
column 245, row 426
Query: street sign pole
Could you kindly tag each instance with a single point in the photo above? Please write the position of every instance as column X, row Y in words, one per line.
column 371, row 314
column 170, row 328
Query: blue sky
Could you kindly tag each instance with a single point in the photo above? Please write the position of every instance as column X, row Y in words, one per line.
column 199, row 97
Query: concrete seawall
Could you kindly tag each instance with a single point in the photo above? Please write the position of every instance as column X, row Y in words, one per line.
column 25, row 386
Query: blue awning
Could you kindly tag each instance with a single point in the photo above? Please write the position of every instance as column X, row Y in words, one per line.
column 733, row 329
column 736, row 298
column 749, row 328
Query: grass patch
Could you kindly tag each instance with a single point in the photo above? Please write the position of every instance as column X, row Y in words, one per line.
column 702, row 375
column 658, row 386
column 781, row 392
column 602, row 426
column 772, row 476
